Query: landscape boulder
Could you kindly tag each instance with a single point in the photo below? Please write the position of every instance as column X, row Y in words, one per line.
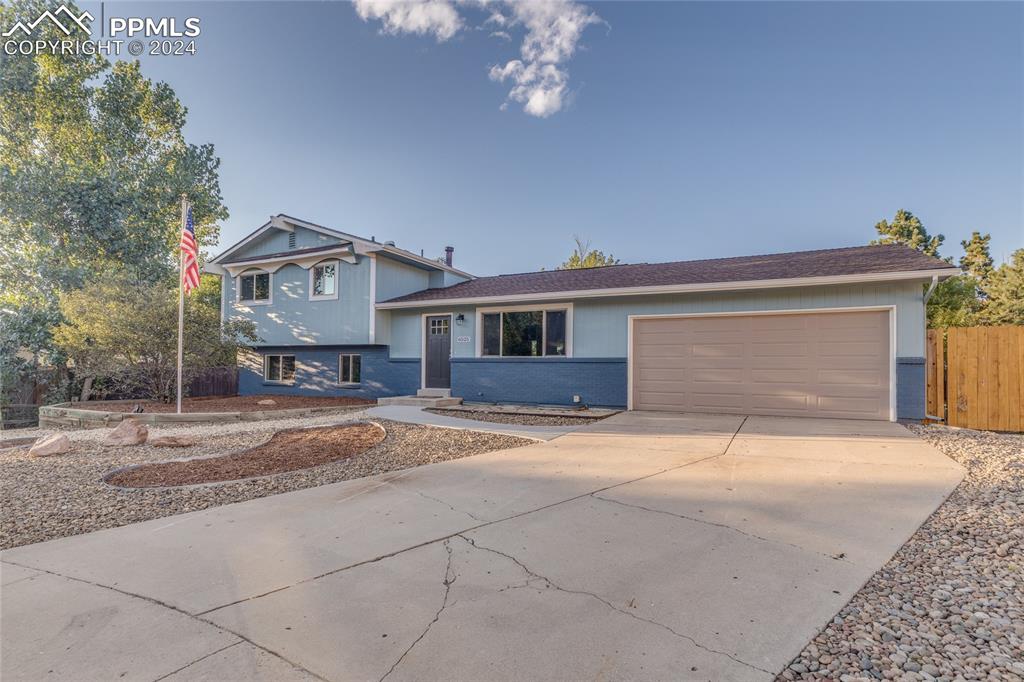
column 128, row 432
column 173, row 441
column 56, row 444
column 268, row 401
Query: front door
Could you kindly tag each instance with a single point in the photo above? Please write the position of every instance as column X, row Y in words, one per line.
column 438, row 372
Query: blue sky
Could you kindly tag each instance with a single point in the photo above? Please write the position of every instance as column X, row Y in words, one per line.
column 687, row 130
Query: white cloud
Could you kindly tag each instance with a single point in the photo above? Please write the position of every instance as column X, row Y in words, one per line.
column 553, row 28
column 424, row 17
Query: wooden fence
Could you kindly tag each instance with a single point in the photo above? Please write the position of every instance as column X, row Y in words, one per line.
column 214, row 381
column 975, row 377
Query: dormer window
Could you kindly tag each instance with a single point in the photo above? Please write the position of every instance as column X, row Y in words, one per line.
column 254, row 288
column 323, row 281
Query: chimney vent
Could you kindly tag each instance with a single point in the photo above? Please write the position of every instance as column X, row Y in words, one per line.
column 448, row 252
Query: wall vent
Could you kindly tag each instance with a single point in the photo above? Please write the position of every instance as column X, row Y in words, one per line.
column 291, row 240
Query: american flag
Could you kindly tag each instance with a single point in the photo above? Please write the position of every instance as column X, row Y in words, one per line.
column 189, row 255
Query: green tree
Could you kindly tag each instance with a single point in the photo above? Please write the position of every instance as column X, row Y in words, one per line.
column 907, row 229
column 954, row 303
column 585, row 257
column 93, row 160
column 1005, row 303
column 124, row 331
column 977, row 261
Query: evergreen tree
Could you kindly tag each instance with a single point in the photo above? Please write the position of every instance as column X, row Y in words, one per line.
column 977, row 261
column 907, row 229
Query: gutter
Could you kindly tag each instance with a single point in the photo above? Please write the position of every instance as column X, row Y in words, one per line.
column 674, row 289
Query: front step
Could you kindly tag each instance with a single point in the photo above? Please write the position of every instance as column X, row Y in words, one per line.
column 434, row 393
column 420, row 401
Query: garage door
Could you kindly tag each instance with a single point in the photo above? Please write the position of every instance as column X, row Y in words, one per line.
column 806, row 364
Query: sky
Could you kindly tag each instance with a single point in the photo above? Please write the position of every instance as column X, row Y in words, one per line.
column 658, row 131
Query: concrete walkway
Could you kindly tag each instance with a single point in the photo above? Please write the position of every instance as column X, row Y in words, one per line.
column 417, row 415
column 645, row 546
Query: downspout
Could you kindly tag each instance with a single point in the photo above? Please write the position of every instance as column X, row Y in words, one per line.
column 931, row 290
column 928, row 295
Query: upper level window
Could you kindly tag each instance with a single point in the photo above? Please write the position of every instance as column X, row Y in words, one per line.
column 524, row 333
column 323, row 281
column 254, row 288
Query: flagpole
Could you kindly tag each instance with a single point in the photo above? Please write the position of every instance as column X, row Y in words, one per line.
column 181, row 299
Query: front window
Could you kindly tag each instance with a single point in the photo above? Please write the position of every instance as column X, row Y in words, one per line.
column 254, row 288
column 279, row 368
column 324, row 281
column 524, row 333
column 349, row 368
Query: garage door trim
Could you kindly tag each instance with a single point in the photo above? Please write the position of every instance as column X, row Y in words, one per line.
column 891, row 309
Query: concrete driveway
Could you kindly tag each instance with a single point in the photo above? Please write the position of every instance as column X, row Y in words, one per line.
column 647, row 546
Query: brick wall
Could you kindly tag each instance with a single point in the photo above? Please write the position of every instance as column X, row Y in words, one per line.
column 910, row 390
column 549, row 381
column 316, row 373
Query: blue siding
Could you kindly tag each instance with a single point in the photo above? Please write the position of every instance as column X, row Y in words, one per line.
column 316, row 373
column 406, row 331
column 546, row 381
column 910, row 388
column 276, row 241
column 396, row 279
column 291, row 318
column 600, row 325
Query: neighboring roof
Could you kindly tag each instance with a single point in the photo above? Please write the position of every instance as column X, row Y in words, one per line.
column 361, row 244
column 858, row 263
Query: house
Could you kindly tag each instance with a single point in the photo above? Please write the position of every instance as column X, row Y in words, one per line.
column 830, row 333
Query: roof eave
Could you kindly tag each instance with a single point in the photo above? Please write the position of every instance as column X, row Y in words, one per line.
column 941, row 273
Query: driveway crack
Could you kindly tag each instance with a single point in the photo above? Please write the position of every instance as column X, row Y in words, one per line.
column 201, row 658
column 717, row 525
column 555, row 586
column 450, row 506
column 449, row 579
column 170, row 607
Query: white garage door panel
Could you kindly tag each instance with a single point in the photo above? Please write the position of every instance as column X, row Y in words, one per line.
column 804, row 364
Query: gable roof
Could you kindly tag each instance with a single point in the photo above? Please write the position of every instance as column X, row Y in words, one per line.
column 853, row 264
column 360, row 245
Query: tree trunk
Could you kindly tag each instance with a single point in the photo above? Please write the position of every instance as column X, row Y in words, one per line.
column 86, row 389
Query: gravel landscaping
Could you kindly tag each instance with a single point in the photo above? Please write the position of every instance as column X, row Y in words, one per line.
column 51, row 497
column 237, row 403
column 512, row 418
column 950, row 604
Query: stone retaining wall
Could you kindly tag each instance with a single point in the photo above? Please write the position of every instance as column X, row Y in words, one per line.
column 64, row 416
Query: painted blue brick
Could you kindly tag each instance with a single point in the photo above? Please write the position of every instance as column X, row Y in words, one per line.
column 910, row 388
column 316, row 373
column 548, row 381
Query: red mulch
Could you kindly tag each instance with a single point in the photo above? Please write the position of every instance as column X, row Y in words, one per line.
column 287, row 450
column 238, row 403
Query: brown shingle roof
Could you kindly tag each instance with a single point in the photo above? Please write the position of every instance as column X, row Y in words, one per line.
column 857, row 260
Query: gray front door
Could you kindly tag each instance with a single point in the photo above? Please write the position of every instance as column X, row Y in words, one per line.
column 439, row 352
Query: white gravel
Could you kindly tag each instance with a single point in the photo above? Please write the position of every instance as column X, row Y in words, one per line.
column 51, row 497
column 950, row 604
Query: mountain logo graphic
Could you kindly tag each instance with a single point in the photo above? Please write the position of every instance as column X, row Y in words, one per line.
column 52, row 16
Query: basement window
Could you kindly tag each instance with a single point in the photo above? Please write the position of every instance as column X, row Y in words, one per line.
column 349, row 366
column 279, row 368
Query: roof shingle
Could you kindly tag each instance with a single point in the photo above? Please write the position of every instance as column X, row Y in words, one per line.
column 857, row 260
